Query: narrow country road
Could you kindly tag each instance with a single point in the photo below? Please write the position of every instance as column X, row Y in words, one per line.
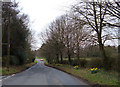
column 40, row 74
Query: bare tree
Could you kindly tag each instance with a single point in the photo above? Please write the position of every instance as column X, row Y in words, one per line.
column 96, row 15
column 114, row 10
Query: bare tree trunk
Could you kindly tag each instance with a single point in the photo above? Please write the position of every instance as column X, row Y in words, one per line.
column 102, row 51
column 78, row 51
column 61, row 56
column 57, row 56
column 48, row 59
column 69, row 57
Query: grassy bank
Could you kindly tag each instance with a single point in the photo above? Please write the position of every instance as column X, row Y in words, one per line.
column 102, row 77
column 15, row 69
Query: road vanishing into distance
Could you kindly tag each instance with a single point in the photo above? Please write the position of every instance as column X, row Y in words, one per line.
column 39, row 74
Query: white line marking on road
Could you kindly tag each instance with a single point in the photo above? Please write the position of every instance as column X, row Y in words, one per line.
column 13, row 74
column 7, row 77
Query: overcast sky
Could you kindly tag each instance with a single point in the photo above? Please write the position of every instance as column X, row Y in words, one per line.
column 42, row 12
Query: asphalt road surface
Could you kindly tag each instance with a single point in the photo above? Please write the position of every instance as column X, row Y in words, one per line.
column 40, row 74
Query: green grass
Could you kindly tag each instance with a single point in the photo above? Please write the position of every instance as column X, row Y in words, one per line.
column 15, row 69
column 35, row 61
column 88, row 59
column 102, row 77
column 38, row 57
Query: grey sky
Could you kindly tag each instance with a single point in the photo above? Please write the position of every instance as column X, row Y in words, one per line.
column 42, row 12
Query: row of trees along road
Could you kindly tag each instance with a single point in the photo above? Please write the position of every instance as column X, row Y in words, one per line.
column 87, row 23
column 20, row 36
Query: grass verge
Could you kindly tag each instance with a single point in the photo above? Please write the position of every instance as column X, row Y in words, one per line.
column 15, row 69
column 101, row 78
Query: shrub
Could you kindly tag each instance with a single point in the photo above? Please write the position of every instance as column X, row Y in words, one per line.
column 83, row 62
column 75, row 62
column 14, row 60
column 95, row 63
column 65, row 62
column 112, row 63
column 4, row 60
column 21, row 55
column 33, row 59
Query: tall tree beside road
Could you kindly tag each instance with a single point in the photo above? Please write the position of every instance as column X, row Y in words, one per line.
column 19, row 33
column 64, row 37
column 88, row 25
column 96, row 15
